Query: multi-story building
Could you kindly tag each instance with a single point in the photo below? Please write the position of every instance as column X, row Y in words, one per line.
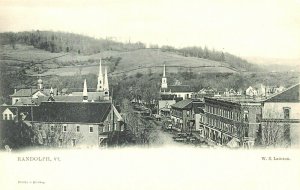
column 75, row 123
column 231, row 122
column 281, row 118
column 183, row 114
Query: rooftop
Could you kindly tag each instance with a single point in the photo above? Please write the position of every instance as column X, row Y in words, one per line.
column 78, row 112
column 234, row 100
column 27, row 92
column 290, row 94
column 187, row 104
column 177, row 88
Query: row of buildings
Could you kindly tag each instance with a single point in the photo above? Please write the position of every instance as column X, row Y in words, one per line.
column 234, row 121
column 85, row 118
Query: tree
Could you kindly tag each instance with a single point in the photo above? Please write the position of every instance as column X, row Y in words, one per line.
column 274, row 132
column 52, row 135
column 17, row 135
column 206, row 53
column 12, row 38
column 131, row 119
column 222, row 58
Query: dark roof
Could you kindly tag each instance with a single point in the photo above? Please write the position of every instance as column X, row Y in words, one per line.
column 289, row 95
column 198, row 107
column 96, row 96
column 24, row 92
column 177, row 88
column 27, row 92
column 168, row 96
column 184, row 104
column 76, row 112
column 61, row 99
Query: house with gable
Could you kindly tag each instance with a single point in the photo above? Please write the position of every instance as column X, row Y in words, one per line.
column 281, row 114
column 83, row 124
column 30, row 95
column 9, row 113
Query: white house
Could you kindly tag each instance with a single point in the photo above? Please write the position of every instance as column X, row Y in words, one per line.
column 9, row 114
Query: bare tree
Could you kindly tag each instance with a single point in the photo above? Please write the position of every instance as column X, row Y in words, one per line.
column 53, row 135
column 275, row 132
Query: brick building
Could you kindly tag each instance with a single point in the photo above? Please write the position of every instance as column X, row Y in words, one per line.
column 231, row 122
column 183, row 114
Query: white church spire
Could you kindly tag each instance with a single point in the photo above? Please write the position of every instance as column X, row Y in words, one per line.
column 85, row 93
column 164, row 83
column 105, row 85
column 100, row 79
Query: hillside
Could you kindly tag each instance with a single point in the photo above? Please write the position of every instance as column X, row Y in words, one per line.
column 130, row 62
column 136, row 54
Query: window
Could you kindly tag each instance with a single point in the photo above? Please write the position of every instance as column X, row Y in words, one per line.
column 246, row 114
column 40, row 127
column 91, row 129
column 5, row 116
column 73, row 142
column 258, row 118
column 10, row 117
column 286, row 113
column 52, row 128
column 64, row 128
column 77, row 128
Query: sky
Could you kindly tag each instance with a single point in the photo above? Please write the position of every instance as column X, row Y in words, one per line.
column 247, row 28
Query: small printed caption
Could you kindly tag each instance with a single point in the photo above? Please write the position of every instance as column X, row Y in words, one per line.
column 38, row 159
column 33, row 182
column 274, row 158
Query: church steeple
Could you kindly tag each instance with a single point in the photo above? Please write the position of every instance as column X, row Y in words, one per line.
column 51, row 98
column 100, row 79
column 164, row 83
column 84, row 93
column 105, row 85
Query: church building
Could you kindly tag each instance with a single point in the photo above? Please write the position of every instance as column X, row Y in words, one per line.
column 170, row 94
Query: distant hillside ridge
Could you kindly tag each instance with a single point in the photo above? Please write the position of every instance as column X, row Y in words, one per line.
column 58, row 42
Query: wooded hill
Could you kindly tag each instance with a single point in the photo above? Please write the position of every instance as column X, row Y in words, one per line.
column 59, row 42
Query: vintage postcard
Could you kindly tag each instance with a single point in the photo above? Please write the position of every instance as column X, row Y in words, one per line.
column 138, row 94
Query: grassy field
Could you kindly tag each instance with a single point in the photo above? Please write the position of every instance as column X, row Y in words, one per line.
column 131, row 62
